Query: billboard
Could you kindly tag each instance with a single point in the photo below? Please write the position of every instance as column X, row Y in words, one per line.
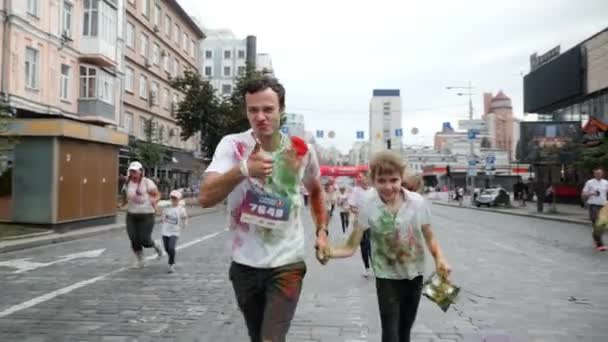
column 556, row 80
column 552, row 142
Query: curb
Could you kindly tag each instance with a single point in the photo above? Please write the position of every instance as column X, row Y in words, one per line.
column 77, row 234
column 540, row 217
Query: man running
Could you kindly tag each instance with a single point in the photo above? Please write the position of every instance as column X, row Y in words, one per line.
column 260, row 172
column 356, row 201
column 594, row 193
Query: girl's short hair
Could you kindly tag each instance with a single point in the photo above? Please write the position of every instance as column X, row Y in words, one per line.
column 385, row 163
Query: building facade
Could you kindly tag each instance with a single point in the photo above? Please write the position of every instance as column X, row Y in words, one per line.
column 225, row 58
column 294, row 125
column 500, row 121
column 60, row 79
column 264, row 64
column 385, row 120
column 161, row 42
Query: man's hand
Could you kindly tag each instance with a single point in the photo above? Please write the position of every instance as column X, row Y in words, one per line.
column 443, row 268
column 322, row 247
column 259, row 164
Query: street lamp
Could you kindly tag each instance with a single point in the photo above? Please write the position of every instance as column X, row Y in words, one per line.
column 468, row 93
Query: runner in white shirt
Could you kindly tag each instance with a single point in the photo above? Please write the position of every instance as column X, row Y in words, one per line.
column 595, row 192
column 175, row 219
column 260, row 172
column 344, row 208
column 356, row 200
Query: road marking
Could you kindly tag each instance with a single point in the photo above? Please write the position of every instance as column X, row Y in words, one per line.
column 24, row 265
column 48, row 296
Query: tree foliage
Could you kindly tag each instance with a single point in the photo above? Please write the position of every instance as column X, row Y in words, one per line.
column 150, row 151
column 213, row 116
column 597, row 156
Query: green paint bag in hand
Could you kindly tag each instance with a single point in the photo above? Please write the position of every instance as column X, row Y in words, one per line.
column 440, row 291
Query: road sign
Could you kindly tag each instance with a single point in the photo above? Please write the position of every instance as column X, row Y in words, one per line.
column 472, row 134
column 360, row 135
column 285, row 129
column 320, row 133
column 472, row 124
column 398, row 132
column 472, row 170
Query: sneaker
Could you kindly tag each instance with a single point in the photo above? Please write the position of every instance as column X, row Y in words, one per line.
column 171, row 269
column 366, row 273
column 159, row 250
column 140, row 262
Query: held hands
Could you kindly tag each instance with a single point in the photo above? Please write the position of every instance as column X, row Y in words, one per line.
column 323, row 248
column 259, row 165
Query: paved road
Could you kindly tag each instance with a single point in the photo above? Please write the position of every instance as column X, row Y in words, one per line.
column 524, row 279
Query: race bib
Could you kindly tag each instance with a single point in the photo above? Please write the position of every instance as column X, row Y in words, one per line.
column 171, row 219
column 265, row 210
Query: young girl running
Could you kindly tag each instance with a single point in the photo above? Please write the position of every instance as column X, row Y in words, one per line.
column 175, row 219
column 399, row 222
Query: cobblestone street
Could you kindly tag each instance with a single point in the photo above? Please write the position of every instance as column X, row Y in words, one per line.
column 523, row 279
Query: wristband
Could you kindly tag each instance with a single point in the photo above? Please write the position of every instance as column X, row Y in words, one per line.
column 243, row 167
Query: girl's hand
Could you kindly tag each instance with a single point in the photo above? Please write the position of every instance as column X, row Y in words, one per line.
column 443, row 268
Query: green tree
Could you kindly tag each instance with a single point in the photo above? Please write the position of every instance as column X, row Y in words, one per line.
column 150, row 151
column 596, row 156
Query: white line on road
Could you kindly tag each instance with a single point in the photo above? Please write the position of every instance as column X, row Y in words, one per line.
column 46, row 297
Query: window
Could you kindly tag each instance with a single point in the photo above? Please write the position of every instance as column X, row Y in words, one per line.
column 176, row 33
column 143, row 87
column 174, row 102
column 129, row 79
column 143, row 47
column 174, row 66
column 145, row 9
column 208, row 54
column 106, row 85
column 177, row 67
column 128, row 124
column 167, row 62
column 185, row 40
column 168, row 26
column 66, row 19
column 131, row 35
column 156, row 54
column 227, row 71
column 165, row 98
column 241, row 54
column 226, row 89
column 241, row 70
column 157, row 15
column 32, row 7
column 88, row 78
column 90, row 18
column 31, row 68
column 208, row 71
column 142, row 126
column 154, row 93
column 192, row 48
column 227, row 54
column 64, row 82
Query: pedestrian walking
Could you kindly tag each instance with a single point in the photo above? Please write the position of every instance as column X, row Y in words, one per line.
column 400, row 223
column 260, row 171
column 344, row 209
column 355, row 202
column 175, row 218
column 594, row 193
column 141, row 196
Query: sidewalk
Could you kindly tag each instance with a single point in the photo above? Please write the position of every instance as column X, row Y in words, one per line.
column 568, row 213
column 53, row 237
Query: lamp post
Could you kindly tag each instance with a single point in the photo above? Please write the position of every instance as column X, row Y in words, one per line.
column 468, row 93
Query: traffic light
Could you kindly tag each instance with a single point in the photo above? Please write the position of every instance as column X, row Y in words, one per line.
column 447, row 171
column 388, row 144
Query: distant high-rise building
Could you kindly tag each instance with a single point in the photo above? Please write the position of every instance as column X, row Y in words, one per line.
column 225, row 58
column 500, row 121
column 385, row 120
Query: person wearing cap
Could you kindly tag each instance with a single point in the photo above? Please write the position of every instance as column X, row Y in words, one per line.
column 260, row 171
column 175, row 219
column 142, row 196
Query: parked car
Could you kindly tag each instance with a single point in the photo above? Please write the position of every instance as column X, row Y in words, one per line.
column 493, row 197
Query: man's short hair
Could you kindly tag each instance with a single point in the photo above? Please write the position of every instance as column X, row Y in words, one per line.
column 385, row 163
column 598, row 168
column 262, row 83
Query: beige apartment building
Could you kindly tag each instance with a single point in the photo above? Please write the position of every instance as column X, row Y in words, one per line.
column 161, row 42
column 59, row 79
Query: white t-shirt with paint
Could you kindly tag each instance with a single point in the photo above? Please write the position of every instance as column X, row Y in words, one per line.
column 593, row 186
column 174, row 220
column 139, row 198
column 397, row 240
column 257, row 245
column 358, row 196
